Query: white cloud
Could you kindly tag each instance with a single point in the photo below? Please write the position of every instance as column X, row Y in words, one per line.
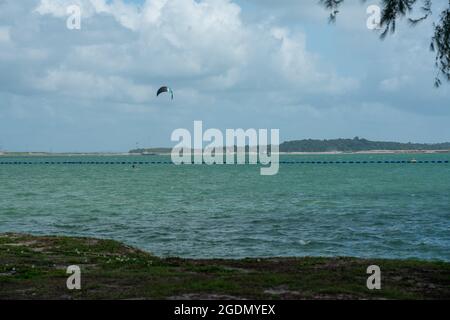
column 88, row 85
column 205, row 42
column 301, row 67
column 229, row 64
column 126, row 14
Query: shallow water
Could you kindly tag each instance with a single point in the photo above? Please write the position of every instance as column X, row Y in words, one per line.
column 395, row 210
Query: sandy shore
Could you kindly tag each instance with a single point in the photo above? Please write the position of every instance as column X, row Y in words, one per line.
column 44, row 154
column 370, row 152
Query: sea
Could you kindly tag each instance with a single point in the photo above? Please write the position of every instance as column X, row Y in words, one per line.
column 360, row 205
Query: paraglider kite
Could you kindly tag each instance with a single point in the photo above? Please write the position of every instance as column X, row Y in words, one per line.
column 165, row 89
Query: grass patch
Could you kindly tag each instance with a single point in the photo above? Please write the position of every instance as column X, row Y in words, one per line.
column 33, row 267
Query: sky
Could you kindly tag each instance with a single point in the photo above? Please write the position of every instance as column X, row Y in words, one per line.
column 231, row 63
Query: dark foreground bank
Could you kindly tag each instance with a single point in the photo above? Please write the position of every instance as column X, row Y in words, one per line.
column 34, row 267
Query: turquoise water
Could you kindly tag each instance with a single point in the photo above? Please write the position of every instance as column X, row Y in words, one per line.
column 395, row 210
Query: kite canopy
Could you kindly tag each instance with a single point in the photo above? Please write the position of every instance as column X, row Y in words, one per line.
column 165, row 89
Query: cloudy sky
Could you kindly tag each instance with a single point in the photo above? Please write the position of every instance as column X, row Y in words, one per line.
column 232, row 64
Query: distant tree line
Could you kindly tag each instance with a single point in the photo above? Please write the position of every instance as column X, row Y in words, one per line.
column 355, row 144
column 342, row 145
column 151, row 150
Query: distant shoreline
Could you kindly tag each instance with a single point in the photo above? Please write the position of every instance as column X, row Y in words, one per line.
column 371, row 152
column 100, row 154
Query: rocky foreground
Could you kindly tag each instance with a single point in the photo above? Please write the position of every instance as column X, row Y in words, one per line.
column 33, row 267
